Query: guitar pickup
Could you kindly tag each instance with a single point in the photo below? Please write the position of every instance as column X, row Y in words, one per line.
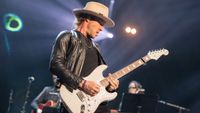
column 80, row 95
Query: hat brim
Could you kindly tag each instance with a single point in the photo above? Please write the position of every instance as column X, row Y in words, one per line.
column 108, row 22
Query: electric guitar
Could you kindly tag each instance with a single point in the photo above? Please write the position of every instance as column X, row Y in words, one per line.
column 77, row 101
column 49, row 103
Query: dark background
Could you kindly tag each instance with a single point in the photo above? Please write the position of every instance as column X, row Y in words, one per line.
column 170, row 24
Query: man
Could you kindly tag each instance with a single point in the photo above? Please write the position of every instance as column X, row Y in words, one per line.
column 75, row 55
column 48, row 101
column 135, row 88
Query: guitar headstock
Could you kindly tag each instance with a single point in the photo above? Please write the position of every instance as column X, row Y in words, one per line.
column 157, row 53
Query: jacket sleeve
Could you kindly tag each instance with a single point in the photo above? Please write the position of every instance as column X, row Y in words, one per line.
column 57, row 62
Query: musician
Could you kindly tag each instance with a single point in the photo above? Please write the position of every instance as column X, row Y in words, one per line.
column 48, row 101
column 75, row 55
column 135, row 88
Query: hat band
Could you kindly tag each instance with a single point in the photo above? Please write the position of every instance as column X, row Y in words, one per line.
column 92, row 17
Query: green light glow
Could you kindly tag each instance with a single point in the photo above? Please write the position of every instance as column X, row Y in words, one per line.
column 9, row 19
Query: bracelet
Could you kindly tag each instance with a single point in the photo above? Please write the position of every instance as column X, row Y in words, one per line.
column 84, row 84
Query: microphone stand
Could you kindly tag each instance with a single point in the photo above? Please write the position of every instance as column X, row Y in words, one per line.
column 10, row 100
column 180, row 108
column 120, row 104
column 139, row 109
column 30, row 80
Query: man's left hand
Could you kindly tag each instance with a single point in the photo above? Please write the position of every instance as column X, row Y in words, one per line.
column 113, row 83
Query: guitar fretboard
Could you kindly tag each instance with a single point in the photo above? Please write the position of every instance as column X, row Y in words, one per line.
column 126, row 70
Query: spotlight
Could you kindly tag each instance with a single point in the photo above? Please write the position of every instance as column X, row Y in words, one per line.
column 128, row 29
column 110, row 35
column 12, row 22
column 103, row 35
column 133, row 31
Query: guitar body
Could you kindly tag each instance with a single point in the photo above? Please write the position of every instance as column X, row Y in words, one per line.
column 76, row 101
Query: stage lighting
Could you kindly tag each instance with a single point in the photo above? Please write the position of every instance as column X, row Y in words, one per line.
column 12, row 22
column 110, row 35
column 128, row 29
column 133, row 31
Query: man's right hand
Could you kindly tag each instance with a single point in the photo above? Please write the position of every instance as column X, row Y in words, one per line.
column 90, row 87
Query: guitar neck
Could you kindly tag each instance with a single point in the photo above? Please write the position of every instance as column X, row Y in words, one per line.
column 122, row 72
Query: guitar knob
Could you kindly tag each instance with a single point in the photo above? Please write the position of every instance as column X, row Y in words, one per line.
column 82, row 108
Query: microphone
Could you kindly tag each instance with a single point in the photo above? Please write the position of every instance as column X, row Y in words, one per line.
column 141, row 89
column 31, row 78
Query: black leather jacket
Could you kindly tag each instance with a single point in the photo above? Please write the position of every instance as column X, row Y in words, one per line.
column 67, row 58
